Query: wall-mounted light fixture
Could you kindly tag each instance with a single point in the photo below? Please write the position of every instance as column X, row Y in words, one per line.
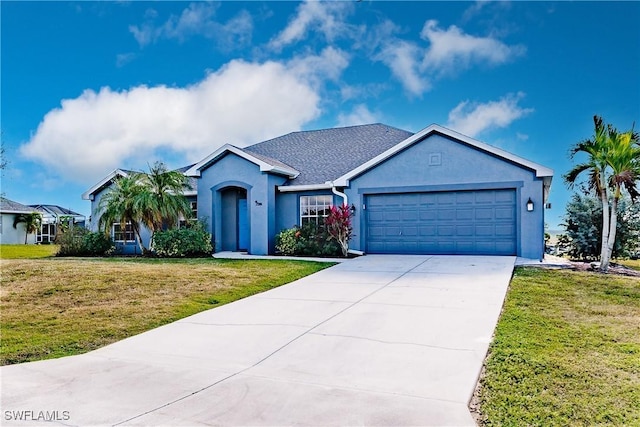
column 258, row 203
column 352, row 209
column 530, row 205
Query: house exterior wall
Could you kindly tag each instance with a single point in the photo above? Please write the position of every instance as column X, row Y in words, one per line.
column 438, row 163
column 288, row 207
column 10, row 235
column 234, row 171
column 126, row 248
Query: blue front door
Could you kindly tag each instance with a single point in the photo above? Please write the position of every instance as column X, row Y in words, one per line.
column 243, row 225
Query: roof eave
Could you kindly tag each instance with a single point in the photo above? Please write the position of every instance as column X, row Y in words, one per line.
column 90, row 192
column 541, row 171
column 196, row 169
column 305, row 187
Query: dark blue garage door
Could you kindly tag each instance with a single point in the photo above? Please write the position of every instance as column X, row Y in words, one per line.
column 454, row 222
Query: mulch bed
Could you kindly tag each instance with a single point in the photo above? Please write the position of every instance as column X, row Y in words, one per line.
column 593, row 268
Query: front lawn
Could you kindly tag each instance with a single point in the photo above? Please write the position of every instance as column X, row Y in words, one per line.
column 63, row 306
column 566, row 352
column 27, row 251
column 631, row 263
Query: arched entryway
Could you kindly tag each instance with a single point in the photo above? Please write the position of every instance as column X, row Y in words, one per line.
column 235, row 219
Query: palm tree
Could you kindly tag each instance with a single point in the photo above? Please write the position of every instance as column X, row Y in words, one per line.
column 613, row 164
column 162, row 199
column 32, row 223
column 624, row 163
column 121, row 204
column 152, row 199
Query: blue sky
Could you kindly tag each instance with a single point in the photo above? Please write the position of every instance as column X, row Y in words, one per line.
column 91, row 86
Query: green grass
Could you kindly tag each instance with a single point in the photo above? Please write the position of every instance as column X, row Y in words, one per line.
column 631, row 263
column 64, row 306
column 27, row 251
column 566, row 352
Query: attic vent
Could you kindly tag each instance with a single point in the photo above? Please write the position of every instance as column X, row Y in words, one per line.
column 435, row 159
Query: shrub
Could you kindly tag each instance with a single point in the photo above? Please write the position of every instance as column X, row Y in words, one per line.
column 98, row 244
column 78, row 241
column 583, row 223
column 193, row 241
column 308, row 240
column 338, row 225
column 287, row 241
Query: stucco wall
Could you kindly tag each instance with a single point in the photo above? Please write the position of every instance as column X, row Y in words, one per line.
column 10, row 235
column 438, row 163
column 234, row 171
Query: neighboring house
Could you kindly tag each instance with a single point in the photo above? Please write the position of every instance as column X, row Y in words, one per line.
column 432, row 192
column 52, row 218
column 123, row 235
column 8, row 212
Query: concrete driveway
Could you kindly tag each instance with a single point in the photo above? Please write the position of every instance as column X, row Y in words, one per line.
column 378, row 340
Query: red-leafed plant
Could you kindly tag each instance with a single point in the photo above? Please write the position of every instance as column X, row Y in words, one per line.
column 338, row 225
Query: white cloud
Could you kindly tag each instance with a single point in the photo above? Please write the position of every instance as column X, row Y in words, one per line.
column 327, row 18
column 402, row 58
column 448, row 51
column 452, row 50
column 329, row 65
column 241, row 103
column 123, row 59
column 474, row 118
column 360, row 115
column 197, row 18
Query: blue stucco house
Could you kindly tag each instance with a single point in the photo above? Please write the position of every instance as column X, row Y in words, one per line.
column 432, row 192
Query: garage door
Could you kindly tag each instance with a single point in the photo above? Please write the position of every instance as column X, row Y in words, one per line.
column 456, row 222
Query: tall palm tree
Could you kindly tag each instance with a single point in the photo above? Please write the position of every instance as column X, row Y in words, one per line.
column 612, row 164
column 162, row 199
column 624, row 163
column 32, row 223
column 121, row 204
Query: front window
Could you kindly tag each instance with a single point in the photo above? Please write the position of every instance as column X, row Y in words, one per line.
column 120, row 235
column 313, row 209
column 194, row 209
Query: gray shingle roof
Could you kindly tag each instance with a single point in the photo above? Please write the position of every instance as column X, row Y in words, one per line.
column 324, row 155
column 7, row 205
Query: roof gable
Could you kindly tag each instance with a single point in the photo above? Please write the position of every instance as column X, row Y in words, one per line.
column 541, row 171
column 105, row 182
column 266, row 163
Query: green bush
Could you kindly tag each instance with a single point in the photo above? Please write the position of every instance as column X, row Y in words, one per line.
column 308, row 240
column 98, row 244
column 190, row 242
column 78, row 241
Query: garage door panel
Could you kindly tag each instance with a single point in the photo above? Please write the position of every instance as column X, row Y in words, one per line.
column 505, row 213
column 465, row 222
column 446, row 214
column 465, row 214
column 428, row 231
column 464, row 230
column 484, row 213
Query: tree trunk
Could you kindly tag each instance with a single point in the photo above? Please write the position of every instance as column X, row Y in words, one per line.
column 26, row 235
column 604, row 265
column 605, row 223
column 136, row 231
